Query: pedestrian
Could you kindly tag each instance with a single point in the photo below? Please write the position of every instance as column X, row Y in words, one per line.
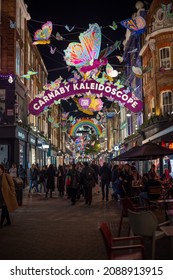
column 33, row 174
column 13, row 170
column 106, row 177
column 22, row 175
column 60, row 180
column 75, row 184
column 88, row 180
column 50, row 184
column 8, row 201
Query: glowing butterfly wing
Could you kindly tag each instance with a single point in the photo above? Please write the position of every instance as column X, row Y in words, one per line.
column 114, row 26
column 137, row 71
column 41, row 36
column 120, row 58
column 80, row 54
column 136, row 25
column 52, row 50
column 30, row 72
column 69, row 28
column 59, row 37
column 110, row 71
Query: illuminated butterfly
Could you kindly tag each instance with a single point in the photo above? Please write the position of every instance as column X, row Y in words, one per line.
column 114, row 26
column 120, row 58
column 136, row 25
column 59, row 37
column 86, row 55
column 52, row 50
column 69, row 29
column 41, row 36
column 110, row 71
column 75, row 78
column 12, row 24
column 29, row 74
column 138, row 71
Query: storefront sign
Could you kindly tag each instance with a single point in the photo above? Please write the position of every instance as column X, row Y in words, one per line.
column 21, row 134
column 32, row 140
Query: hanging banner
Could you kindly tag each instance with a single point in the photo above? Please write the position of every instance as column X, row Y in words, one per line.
column 114, row 92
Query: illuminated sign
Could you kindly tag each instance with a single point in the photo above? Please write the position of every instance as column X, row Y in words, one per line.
column 114, row 92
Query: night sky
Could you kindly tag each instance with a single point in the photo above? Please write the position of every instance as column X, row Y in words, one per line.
column 78, row 14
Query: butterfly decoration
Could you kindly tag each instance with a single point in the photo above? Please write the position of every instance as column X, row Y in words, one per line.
column 69, row 29
column 12, row 24
column 167, row 8
column 111, row 72
column 53, row 85
column 75, row 78
column 139, row 71
column 57, row 102
column 65, row 116
column 29, row 74
column 114, row 26
column 50, row 119
column 86, row 55
column 59, row 37
column 52, row 50
column 120, row 58
column 41, row 36
column 136, row 25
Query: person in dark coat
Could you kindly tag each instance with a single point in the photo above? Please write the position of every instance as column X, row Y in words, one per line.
column 60, row 180
column 50, row 184
column 88, row 180
column 106, row 177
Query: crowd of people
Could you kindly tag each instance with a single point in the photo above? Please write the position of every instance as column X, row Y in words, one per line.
column 113, row 181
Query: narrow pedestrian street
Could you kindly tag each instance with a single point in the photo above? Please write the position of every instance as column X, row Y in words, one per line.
column 52, row 229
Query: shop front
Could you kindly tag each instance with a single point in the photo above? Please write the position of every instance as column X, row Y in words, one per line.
column 32, row 142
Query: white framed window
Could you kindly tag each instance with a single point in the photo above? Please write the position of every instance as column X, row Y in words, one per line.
column 18, row 59
column 167, row 102
column 165, row 58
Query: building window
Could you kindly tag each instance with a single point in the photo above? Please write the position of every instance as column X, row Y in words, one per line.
column 0, row 50
column 165, row 58
column 18, row 60
column 0, row 11
column 167, row 102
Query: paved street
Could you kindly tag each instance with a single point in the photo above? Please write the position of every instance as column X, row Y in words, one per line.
column 54, row 229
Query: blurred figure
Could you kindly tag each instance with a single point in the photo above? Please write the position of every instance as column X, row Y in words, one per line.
column 8, row 201
column 33, row 173
column 106, row 177
column 13, row 170
column 88, row 180
column 22, row 174
column 50, row 184
column 60, row 180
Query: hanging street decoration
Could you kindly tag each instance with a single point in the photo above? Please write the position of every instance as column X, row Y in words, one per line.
column 85, row 122
column 115, row 92
column 41, row 36
column 86, row 55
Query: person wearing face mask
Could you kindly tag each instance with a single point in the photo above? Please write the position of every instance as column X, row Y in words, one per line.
column 8, row 201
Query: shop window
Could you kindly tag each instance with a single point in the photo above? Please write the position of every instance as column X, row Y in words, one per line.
column 167, row 102
column 165, row 58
